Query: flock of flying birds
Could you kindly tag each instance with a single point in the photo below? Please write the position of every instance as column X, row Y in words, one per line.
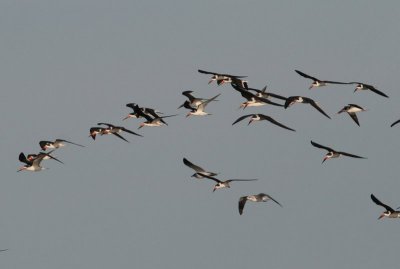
column 197, row 106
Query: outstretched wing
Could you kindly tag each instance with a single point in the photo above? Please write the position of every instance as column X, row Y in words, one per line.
column 306, row 76
column 376, row 201
column 316, row 106
column 320, row 146
column 120, row 136
column 354, row 117
column 243, row 117
column 131, row 132
column 394, row 123
column 196, row 168
column 350, row 155
column 264, row 117
column 242, row 202
column 66, row 141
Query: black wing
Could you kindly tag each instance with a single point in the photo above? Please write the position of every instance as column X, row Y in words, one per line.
column 354, row 117
column 120, row 136
column 289, row 100
column 129, row 131
column 242, row 202
column 394, row 123
column 249, row 96
column 270, row 197
column 372, row 88
column 22, row 158
column 264, row 117
column 242, row 118
column 350, row 155
column 376, row 201
column 306, row 76
column 193, row 166
column 315, row 105
column 239, row 179
column 321, row 147
column 210, row 177
column 42, row 144
column 219, row 74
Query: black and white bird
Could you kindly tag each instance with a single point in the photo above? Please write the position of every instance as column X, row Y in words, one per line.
column 33, row 165
column 252, row 99
column 115, row 130
column 318, row 82
column 305, row 100
column 225, row 78
column 389, row 213
column 224, row 184
column 200, row 172
column 193, row 102
column 96, row 131
column 260, row 117
column 364, row 87
column 137, row 111
column 261, row 197
column 333, row 153
column 199, row 111
column 352, row 109
column 58, row 143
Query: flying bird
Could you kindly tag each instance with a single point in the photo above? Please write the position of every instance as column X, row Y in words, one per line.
column 115, row 130
column 96, row 131
column 224, row 184
column 225, row 78
column 333, row 153
column 199, row 111
column 31, row 157
column 363, row 87
column 200, row 172
column 260, row 117
column 33, row 165
column 252, row 99
column 193, row 102
column 305, row 100
column 138, row 111
column 352, row 109
column 58, row 143
column 318, row 82
column 261, row 197
column 389, row 213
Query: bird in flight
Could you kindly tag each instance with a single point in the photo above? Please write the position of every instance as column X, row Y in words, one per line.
column 364, row 87
column 200, row 172
column 225, row 78
column 224, row 184
column 333, row 153
column 318, row 82
column 260, row 117
column 261, row 197
column 352, row 109
column 58, row 143
column 305, row 100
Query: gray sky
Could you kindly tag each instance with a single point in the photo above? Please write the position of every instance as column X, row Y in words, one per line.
column 67, row 65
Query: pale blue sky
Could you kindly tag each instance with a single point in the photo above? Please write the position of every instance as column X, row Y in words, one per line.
column 67, row 65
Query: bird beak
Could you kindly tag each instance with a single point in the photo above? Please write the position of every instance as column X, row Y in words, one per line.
column 381, row 216
column 249, row 122
column 214, row 189
column 125, row 118
column 311, row 86
column 355, row 89
column 325, row 158
column 188, row 114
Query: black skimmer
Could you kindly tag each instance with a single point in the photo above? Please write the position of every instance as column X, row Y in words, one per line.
column 264, row 94
column 260, row 117
column 30, row 157
column 58, row 143
column 199, row 111
column 352, row 109
column 252, row 99
column 33, row 165
column 224, row 184
column 225, row 78
column 394, row 123
column 154, row 122
column 333, row 153
column 261, row 197
column 136, row 114
column 318, row 82
column 389, row 213
column 193, row 102
column 305, row 100
column 200, row 172
column 115, row 130
column 362, row 86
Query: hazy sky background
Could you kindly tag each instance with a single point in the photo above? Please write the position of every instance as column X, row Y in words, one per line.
column 67, row 65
